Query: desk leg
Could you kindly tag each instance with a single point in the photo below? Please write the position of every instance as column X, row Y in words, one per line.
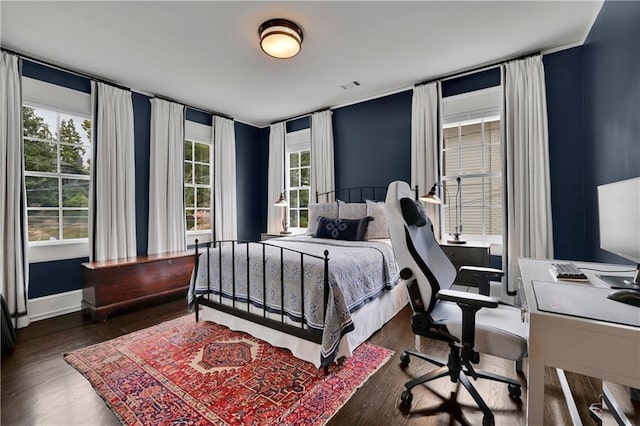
column 535, row 378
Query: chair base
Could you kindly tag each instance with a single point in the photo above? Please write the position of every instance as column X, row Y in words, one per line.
column 456, row 372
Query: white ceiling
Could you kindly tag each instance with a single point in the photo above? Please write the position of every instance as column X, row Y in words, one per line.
column 206, row 54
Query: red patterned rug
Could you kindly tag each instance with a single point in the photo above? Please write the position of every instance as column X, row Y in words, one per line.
column 188, row 373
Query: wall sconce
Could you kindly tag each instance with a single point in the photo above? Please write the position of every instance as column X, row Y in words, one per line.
column 284, row 205
column 433, row 198
column 280, row 38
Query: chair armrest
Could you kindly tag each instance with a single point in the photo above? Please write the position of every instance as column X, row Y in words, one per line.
column 470, row 299
column 483, row 272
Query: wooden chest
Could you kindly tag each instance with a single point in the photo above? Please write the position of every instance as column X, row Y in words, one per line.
column 115, row 284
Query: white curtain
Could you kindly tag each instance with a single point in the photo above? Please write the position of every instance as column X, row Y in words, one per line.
column 322, row 168
column 425, row 128
column 276, row 177
column 528, row 190
column 224, row 141
column 167, row 222
column 113, row 234
column 14, row 269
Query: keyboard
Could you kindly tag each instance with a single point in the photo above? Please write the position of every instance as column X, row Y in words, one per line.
column 567, row 271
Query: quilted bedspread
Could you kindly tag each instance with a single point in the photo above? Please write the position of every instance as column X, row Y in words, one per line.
column 359, row 271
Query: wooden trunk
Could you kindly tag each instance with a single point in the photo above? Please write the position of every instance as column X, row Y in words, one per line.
column 115, row 284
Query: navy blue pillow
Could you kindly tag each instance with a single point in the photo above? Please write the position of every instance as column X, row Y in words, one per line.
column 342, row 229
column 413, row 212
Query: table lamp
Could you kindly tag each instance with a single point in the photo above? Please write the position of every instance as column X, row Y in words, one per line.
column 283, row 203
column 433, row 198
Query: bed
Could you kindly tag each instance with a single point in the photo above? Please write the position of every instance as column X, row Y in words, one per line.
column 318, row 297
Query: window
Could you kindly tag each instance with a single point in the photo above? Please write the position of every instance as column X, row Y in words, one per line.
column 198, row 178
column 57, row 162
column 298, row 169
column 299, row 188
column 471, row 150
column 197, row 185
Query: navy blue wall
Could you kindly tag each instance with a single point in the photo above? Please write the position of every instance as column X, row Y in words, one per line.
column 563, row 75
column 59, row 276
column 55, row 76
column 372, row 141
column 251, row 181
column 472, row 82
column 611, row 66
column 142, row 137
column 298, row 124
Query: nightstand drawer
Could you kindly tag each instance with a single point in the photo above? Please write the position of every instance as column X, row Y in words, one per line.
column 467, row 255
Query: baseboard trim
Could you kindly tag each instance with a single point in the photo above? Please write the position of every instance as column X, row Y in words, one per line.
column 56, row 304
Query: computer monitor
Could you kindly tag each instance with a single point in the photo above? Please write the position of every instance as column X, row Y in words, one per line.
column 619, row 209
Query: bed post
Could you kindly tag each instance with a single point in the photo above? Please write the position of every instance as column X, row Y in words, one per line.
column 326, row 281
column 416, row 191
column 326, row 294
column 195, row 272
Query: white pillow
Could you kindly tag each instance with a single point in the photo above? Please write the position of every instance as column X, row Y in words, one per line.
column 378, row 226
column 316, row 210
column 351, row 210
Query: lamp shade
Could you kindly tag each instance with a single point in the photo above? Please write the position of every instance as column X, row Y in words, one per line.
column 431, row 197
column 280, row 38
column 281, row 201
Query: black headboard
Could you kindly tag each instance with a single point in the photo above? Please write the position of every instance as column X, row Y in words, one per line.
column 356, row 194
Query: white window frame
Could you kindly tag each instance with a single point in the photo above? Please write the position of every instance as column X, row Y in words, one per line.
column 297, row 141
column 461, row 110
column 40, row 94
column 200, row 133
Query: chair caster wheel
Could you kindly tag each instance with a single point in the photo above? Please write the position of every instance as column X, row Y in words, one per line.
column 404, row 360
column 515, row 391
column 406, row 398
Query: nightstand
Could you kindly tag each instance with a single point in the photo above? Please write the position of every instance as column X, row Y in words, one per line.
column 473, row 253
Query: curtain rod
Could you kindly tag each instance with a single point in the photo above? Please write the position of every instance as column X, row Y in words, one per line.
column 168, row 99
column 476, row 70
column 102, row 80
column 286, row 120
column 58, row 67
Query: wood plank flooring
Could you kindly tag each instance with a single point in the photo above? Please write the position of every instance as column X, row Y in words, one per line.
column 39, row 388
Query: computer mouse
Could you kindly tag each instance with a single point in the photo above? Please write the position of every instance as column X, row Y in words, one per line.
column 629, row 297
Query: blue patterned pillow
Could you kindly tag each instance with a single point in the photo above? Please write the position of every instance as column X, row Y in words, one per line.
column 342, row 229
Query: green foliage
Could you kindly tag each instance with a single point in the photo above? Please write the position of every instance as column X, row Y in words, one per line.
column 42, row 156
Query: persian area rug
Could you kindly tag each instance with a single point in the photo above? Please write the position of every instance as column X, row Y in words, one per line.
column 188, row 373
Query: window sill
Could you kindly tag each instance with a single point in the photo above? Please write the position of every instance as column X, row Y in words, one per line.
column 57, row 250
column 202, row 237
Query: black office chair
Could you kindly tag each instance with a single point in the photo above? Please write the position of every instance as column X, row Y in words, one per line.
column 454, row 317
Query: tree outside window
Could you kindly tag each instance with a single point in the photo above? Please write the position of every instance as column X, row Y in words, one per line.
column 299, row 188
column 197, row 185
column 57, row 162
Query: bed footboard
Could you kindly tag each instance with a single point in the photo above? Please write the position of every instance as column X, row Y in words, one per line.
column 244, row 306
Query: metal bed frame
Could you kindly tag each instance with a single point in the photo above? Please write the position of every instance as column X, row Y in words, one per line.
column 354, row 194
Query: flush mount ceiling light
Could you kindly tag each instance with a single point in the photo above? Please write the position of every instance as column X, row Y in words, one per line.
column 280, row 38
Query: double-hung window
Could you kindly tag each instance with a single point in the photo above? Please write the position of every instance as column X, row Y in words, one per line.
column 198, row 169
column 298, row 168
column 472, row 151
column 57, row 168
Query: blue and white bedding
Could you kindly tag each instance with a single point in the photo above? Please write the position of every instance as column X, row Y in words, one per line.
column 359, row 271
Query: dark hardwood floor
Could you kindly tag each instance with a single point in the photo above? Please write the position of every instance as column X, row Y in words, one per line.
column 39, row 388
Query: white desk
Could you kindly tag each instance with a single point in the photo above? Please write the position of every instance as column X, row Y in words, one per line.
column 585, row 346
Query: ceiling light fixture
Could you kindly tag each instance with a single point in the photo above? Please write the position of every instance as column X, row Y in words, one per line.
column 280, row 38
